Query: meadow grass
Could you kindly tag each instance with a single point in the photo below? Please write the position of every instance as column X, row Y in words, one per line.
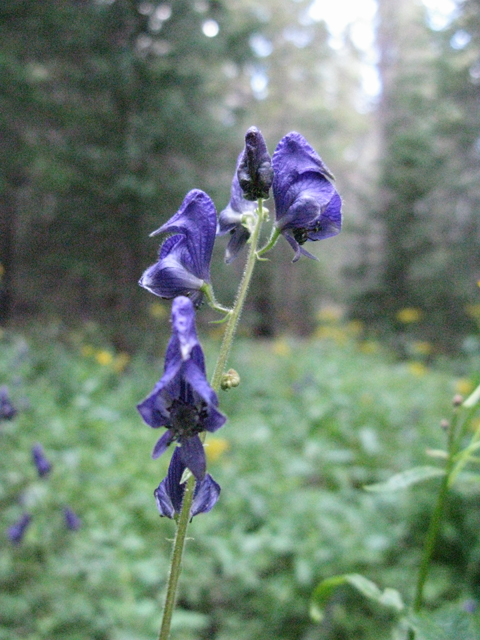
column 312, row 422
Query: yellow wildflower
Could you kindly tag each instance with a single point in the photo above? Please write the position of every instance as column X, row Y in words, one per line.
column 423, row 348
column 409, row 315
column 329, row 314
column 104, row 358
column 417, row 368
column 157, row 310
column 464, row 387
column 281, row 347
column 369, row 346
column 215, row 447
column 120, row 362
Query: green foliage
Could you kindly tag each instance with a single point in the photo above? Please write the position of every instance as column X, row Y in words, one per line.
column 306, row 432
column 109, row 116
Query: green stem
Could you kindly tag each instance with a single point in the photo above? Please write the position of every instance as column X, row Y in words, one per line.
column 209, row 294
column 273, row 239
column 234, row 317
column 430, row 541
column 184, row 518
column 176, row 562
column 436, row 519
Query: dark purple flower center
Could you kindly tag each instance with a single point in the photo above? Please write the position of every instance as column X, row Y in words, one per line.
column 186, row 420
column 301, row 235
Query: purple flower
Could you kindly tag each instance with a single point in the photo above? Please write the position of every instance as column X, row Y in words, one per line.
column 183, row 267
column 43, row 465
column 72, row 521
column 232, row 218
column 169, row 493
column 7, row 410
column 254, row 171
column 307, row 205
column 16, row 532
column 182, row 401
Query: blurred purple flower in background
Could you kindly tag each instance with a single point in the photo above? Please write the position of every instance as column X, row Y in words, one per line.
column 183, row 267
column 42, row 464
column 183, row 401
column 7, row 410
column 72, row 521
column 169, row 493
column 307, row 205
column 16, row 532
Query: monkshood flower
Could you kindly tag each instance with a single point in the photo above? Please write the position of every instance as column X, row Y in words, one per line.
column 42, row 464
column 72, row 521
column 252, row 180
column 7, row 410
column 255, row 173
column 16, row 532
column 169, row 493
column 307, row 205
column 182, row 401
column 235, row 218
column 183, row 267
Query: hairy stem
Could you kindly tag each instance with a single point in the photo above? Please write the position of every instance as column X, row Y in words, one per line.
column 234, row 317
column 176, row 562
column 184, row 518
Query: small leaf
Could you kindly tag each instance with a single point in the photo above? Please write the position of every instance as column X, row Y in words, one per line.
column 446, row 624
column 406, row 479
column 472, row 399
column 389, row 597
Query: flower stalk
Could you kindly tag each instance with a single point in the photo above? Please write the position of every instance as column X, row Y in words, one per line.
column 228, row 337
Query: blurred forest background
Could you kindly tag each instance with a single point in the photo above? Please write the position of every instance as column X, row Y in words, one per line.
column 111, row 110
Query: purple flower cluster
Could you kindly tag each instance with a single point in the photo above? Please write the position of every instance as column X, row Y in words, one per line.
column 7, row 410
column 183, row 267
column 307, row 207
column 40, row 461
column 72, row 522
column 184, row 404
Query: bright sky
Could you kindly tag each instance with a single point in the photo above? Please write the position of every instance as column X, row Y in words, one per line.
column 360, row 15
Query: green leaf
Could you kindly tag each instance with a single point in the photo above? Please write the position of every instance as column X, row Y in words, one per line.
column 449, row 623
column 406, row 479
column 472, row 399
column 389, row 597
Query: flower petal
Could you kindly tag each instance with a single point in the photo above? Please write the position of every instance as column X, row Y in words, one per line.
column 163, row 500
column 238, row 240
column 255, row 173
column 197, row 221
column 205, row 495
column 163, row 443
column 193, row 456
column 183, row 325
column 168, row 277
column 169, row 493
column 307, row 205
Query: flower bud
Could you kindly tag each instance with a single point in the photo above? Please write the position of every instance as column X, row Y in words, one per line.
column 230, row 379
column 457, row 400
column 255, row 172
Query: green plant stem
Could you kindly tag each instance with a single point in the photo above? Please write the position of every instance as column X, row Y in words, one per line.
column 436, row 519
column 234, row 317
column 184, row 518
column 271, row 242
column 430, row 541
column 176, row 561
